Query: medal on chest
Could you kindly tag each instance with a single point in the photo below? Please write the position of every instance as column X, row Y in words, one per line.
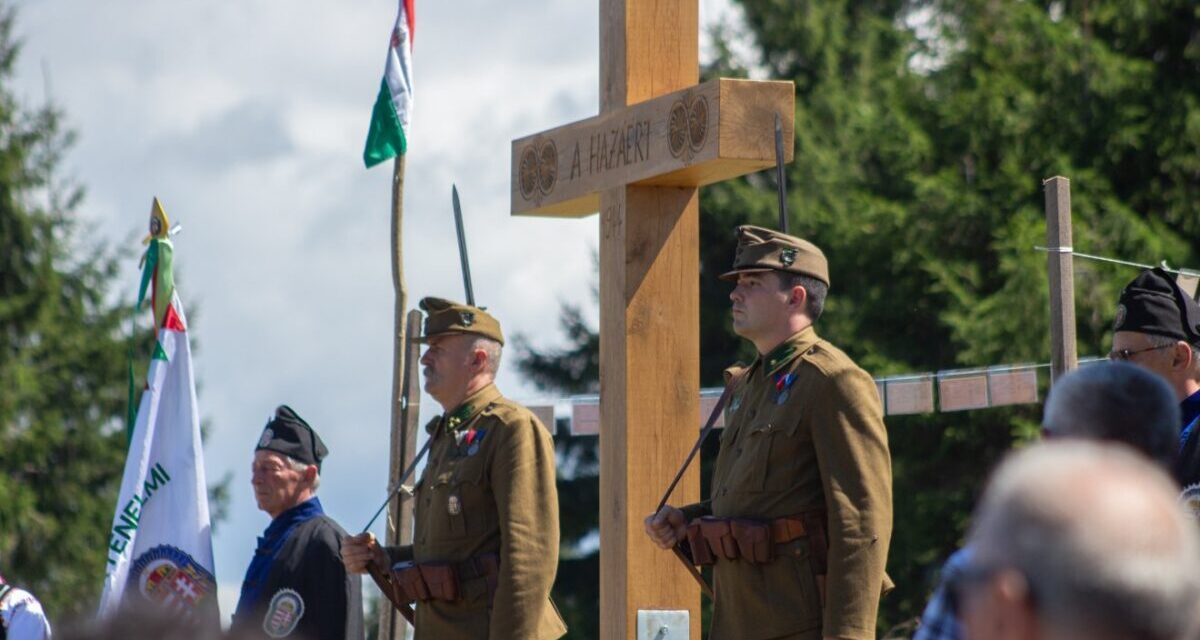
column 783, row 386
column 469, row 441
column 454, row 505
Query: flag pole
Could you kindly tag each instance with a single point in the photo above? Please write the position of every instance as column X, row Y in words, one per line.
column 403, row 434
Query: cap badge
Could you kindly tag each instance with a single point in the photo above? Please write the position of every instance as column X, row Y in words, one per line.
column 267, row 435
column 787, row 257
column 468, row 318
column 1120, row 317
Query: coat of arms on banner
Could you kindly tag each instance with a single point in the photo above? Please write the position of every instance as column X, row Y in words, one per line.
column 169, row 577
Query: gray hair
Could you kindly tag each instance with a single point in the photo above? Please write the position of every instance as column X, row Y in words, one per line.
column 1166, row 341
column 816, row 291
column 301, row 467
column 1116, row 401
column 1099, row 535
column 492, row 349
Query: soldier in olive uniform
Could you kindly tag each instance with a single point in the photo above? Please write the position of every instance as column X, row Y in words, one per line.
column 486, row 541
column 800, row 514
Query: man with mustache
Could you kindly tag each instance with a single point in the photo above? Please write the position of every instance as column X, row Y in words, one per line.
column 485, row 546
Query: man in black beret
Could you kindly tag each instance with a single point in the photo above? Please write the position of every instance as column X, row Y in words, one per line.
column 1157, row 326
column 296, row 585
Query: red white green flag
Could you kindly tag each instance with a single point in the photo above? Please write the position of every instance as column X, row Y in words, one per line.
column 388, row 135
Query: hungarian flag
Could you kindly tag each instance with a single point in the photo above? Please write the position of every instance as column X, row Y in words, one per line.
column 387, row 137
column 159, row 547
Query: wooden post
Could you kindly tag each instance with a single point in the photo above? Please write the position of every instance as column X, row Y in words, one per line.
column 658, row 137
column 406, row 397
column 1061, row 271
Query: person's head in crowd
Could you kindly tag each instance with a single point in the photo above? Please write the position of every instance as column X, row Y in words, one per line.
column 1119, row 402
column 1157, row 326
column 1078, row 540
column 287, row 463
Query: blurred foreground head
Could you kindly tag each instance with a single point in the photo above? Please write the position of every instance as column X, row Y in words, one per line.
column 1116, row 402
column 1076, row 540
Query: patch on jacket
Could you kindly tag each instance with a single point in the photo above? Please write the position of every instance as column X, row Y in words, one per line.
column 283, row 614
column 1190, row 499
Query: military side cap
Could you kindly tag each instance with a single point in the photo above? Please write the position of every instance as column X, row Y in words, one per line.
column 443, row 316
column 287, row 433
column 1154, row 304
column 760, row 250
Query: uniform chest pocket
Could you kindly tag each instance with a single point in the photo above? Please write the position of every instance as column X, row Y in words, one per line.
column 753, row 454
column 453, row 496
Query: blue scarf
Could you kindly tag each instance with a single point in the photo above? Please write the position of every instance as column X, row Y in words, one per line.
column 269, row 545
column 1190, row 408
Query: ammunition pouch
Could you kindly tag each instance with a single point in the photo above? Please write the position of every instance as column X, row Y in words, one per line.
column 702, row 554
column 720, row 540
column 409, row 584
column 753, row 539
column 441, row 580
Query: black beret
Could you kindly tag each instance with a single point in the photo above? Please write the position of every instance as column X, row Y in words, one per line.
column 289, row 434
column 1153, row 303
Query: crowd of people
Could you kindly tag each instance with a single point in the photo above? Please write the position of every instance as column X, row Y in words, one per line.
column 1089, row 533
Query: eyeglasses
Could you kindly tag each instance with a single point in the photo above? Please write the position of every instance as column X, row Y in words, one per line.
column 1125, row 354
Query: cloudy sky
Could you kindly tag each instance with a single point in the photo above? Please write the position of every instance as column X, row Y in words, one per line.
column 247, row 120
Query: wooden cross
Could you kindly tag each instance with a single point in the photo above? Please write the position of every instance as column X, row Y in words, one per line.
column 658, row 137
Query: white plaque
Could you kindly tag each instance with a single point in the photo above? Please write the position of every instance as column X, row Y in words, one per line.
column 663, row 624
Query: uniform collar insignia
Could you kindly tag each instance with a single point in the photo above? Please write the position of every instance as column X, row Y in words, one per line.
column 471, row 407
column 789, row 350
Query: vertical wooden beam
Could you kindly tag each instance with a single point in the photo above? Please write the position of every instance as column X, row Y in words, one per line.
column 1061, row 271
column 649, row 325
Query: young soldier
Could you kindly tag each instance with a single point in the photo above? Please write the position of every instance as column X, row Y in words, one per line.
column 485, row 547
column 800, row 514
column 296, row 585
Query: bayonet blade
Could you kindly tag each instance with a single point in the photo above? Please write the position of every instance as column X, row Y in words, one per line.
column 780, row 178
column 462, row 246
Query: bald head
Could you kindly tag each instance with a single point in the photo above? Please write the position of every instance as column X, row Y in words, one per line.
column 1096, row 536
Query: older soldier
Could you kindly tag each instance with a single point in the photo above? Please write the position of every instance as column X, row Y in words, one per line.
column 1157, row 326
column 485, row 546
column 1080, row 541
column 296, row 585
column 800, row 516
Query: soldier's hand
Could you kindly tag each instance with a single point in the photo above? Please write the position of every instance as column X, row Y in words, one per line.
column 667, row 527
column 360, row 551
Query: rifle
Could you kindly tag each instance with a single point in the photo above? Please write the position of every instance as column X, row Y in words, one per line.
column 780, row 178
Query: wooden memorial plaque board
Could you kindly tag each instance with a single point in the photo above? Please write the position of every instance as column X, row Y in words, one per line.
column 909, row 395
column 585, row 418
column 963, row 392
column 710, row 132
column 545, row 414
column 1013, row 386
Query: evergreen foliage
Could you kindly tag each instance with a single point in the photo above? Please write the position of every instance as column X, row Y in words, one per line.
column 64, row 354
column 923, row 132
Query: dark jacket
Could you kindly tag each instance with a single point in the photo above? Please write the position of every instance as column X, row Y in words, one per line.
column 308, row 581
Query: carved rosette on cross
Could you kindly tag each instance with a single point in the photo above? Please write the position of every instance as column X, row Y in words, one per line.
column 539, row 170
column 688, row 127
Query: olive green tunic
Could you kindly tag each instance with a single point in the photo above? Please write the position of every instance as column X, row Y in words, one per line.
column 490, row 492
column 816, row 442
